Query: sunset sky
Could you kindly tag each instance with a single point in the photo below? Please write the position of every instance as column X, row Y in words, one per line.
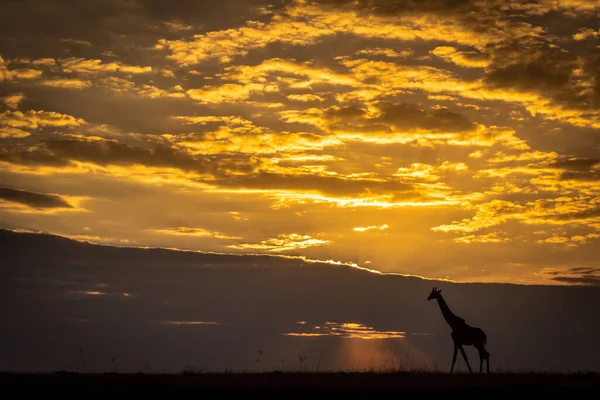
column 445, row 139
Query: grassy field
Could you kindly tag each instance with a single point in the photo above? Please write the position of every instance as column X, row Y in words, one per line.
column 302, row 384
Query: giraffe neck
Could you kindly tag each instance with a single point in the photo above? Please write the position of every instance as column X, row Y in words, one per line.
column 449, row 316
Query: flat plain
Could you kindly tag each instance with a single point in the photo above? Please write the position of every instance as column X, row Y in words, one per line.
column 301, row 384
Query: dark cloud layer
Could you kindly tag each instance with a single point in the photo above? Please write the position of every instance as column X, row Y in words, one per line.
column 400, row 115
column 388, row 7
column 578, row 275
column 112, row 302
column 58, row 152
column 35, row 28
column 33, row 199
column 585, row 169
column 411, row 116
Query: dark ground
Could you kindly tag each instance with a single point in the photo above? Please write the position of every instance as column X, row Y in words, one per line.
column 303, row 384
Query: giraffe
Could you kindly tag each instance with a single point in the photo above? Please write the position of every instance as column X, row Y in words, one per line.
column 462, row 334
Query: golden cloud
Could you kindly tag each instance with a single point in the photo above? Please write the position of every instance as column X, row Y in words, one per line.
column 33, row 119
column 378, row 51
column 18, row 73
column 67, row 83
column 348, row 330
column 586, row 33
column 13, row 100
column 277, row 71
column 95, row 66
column 283, row 242
column 368, row 228
column 493, row 237
column 302, row 24
column 426, row 172
column 461, row 58
column 10, row 132
column 304, row 98
column 225, row 93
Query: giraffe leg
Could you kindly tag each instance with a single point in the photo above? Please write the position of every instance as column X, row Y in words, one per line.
column 454, row 358
column 487, row 362
column 462, row 351
column 482, row 355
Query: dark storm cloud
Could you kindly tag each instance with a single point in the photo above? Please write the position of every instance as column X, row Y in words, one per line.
column 33, row 199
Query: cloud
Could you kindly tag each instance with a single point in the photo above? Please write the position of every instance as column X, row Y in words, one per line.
column 305, row 182
column 493, row 237
column 304, row 98
column 368, row 228
column 184, row 231
column 488, row 214
column 377, row 51
column 571, row 241
column 277, row 72
column 95, row 66
column 461, row 58
column 586, row 33
column 116, row 153
column 76, row 42
column 15, row 133
column 305, row 23
column 35, row 119
column 348, row 330
column 360, row 108
column 7, row 74
column 405, row 115
column 13, row 100
column 33, row 199
column 31, row 157
column 189, row 323
column 223, row 94
column 426, row 172
column 283, row 242
column 67, row 83
column 577, row 276
column 550, row 73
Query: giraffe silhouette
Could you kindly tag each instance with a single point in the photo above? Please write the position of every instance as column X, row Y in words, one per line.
column 462, row 334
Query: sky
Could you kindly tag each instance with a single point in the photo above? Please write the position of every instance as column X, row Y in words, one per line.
column 457, row 140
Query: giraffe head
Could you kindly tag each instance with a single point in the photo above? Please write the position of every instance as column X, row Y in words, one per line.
column 435, row 293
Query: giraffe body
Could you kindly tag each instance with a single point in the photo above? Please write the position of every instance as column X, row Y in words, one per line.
column 462, row 334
